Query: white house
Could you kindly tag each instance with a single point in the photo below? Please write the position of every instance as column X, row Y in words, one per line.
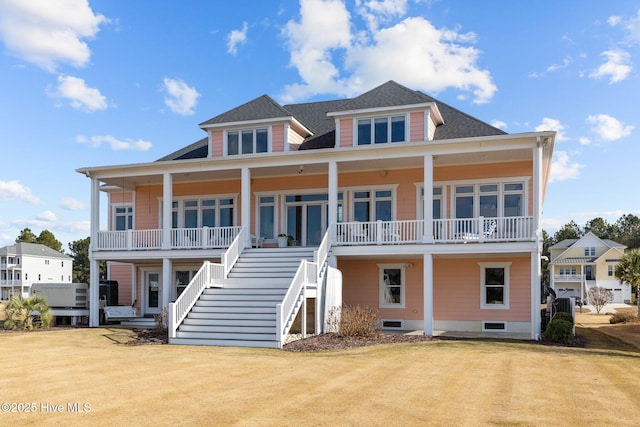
column 24, row 264
column 580, row 264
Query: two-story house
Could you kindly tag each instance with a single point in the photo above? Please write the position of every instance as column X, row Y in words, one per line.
column 24, row 264
column 391, row 200
column 577, row 265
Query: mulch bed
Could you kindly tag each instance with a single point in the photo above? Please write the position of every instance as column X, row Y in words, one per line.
column 149, row 336
column 334, row 342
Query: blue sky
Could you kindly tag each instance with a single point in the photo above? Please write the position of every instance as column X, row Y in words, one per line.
column 112, row 81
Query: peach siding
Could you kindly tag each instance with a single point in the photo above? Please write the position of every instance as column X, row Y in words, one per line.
column 346, row 133
column 360, row 286
column 216, row 148
column 122, row 273
column 416, row 122
column 456, row 290
column 277, row 139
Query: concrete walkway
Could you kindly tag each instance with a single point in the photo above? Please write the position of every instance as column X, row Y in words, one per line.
column 608, row 308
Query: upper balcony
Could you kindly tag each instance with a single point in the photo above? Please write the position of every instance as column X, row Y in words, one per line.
column 408, row 232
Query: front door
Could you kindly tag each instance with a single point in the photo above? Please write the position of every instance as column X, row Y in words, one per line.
column 152, row 292
column 306, row 223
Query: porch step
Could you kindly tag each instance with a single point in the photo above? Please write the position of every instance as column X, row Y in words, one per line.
column 141, row 322
column 243, row 311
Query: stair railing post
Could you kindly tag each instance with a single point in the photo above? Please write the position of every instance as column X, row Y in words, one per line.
column 304, row 299
column 279, row 325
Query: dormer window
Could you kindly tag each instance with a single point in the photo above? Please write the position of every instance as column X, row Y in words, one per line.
column 381, row 130
column 247, row 141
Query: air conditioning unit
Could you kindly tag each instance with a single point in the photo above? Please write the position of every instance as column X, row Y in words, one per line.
column 63, row 295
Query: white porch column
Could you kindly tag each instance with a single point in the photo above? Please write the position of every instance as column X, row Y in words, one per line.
column 427, row 278
column 535, row 294
column 167, row 209
column 94, row 265
column 333, row 197
column 94, row 293
column 427, row 236
column 537, row 191
column 245, row 201
column 166, row 282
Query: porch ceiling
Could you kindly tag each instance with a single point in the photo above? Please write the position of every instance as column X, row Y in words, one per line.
column 204, row 170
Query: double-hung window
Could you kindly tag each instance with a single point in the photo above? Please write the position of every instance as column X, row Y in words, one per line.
column 489, row 200
column 247, row 141
column 494, row 285
column 205, row 212
column 381, row 130
column 373, row 205
column 589, row 251
column 123, row 217
column 392, row 285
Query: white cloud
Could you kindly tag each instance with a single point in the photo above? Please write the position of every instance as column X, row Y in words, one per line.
column 617, row 66
column 499, row 124
column 235, row 38
column 71, row 204
column 583, row 140
column 116, row 144
column 614, row 20
column 13, row 190
column 552, row 124
column 321, row 44
column 47, row 216
column 562, row 168
column 47, row 33
column 181, row 98
column 608, row 128
column 79, row 95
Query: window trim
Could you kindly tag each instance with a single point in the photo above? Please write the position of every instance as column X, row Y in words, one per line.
column 483, row 303
column 225, row 140
column 114, row 215
column 381, row 285
column 387, row 115
column 372, row 208
column 501, row 182
column 199, row 198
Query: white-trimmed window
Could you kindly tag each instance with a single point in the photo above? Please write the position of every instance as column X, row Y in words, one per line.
column 267, row 217
column 218, row 211
column 247, row 141
column 122, row 217
column 611, row 269
column 494, row 285
column 392, row 285
column 489, row 200
column 437, row 202
column 373, row 205
column 589, row 251
column 381, row 130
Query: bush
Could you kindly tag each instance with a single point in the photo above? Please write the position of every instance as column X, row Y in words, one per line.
column 544, row 320
column 622, row 317
column 354, row 321
column 559, row 331
column 561, row 315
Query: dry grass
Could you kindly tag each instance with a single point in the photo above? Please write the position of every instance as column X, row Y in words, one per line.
column 433, row 383
column 628, row 333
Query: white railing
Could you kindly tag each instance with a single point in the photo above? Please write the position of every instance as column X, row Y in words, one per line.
column 379, row 232
column 181, row 238
column 571, row 277
column 231, row 255
column 320, row 255
column 210, row 274
column 483, row 229
column 296, row 294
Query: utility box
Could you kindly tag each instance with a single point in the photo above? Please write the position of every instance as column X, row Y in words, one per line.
column 63, row 295
column 109, row 292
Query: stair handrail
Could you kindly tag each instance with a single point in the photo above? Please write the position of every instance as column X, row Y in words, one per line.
column 284, row 310
column 231, row 255
column 209, row 274
column 320, row 255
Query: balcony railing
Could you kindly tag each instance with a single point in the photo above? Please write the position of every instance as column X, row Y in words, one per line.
column 464, row 230
column 181, row 238
column 503, row 229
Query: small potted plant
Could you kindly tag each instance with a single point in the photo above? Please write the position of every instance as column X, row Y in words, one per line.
column 283, row 240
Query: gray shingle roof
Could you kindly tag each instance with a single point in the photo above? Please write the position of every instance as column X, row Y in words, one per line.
column 313, row 116
column 32, row 249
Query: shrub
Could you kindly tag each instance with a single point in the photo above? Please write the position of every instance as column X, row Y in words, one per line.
column 622, row 317
column 561, row 315
column 27, row 313
column 544, row 320
column 354, row 321
column 559, row 331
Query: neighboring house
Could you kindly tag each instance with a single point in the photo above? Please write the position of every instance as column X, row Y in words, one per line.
column 577, row 265
column 346, row 180
column 24, row 264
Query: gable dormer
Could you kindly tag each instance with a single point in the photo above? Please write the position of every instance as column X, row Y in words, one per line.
column 390, row 113
column 256, row 127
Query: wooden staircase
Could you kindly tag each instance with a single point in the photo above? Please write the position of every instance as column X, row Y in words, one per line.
column 243, row 312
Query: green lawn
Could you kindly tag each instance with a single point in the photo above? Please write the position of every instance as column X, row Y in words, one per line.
column 432, row 383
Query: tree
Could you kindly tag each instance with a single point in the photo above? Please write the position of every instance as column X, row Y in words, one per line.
column 26, row 236
column 45, row 238
column 599, row 297
column 628, row 231
column 628, row 270
column 601, row 228
column 29, row 313
column 81, row 265
column 571, row 230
